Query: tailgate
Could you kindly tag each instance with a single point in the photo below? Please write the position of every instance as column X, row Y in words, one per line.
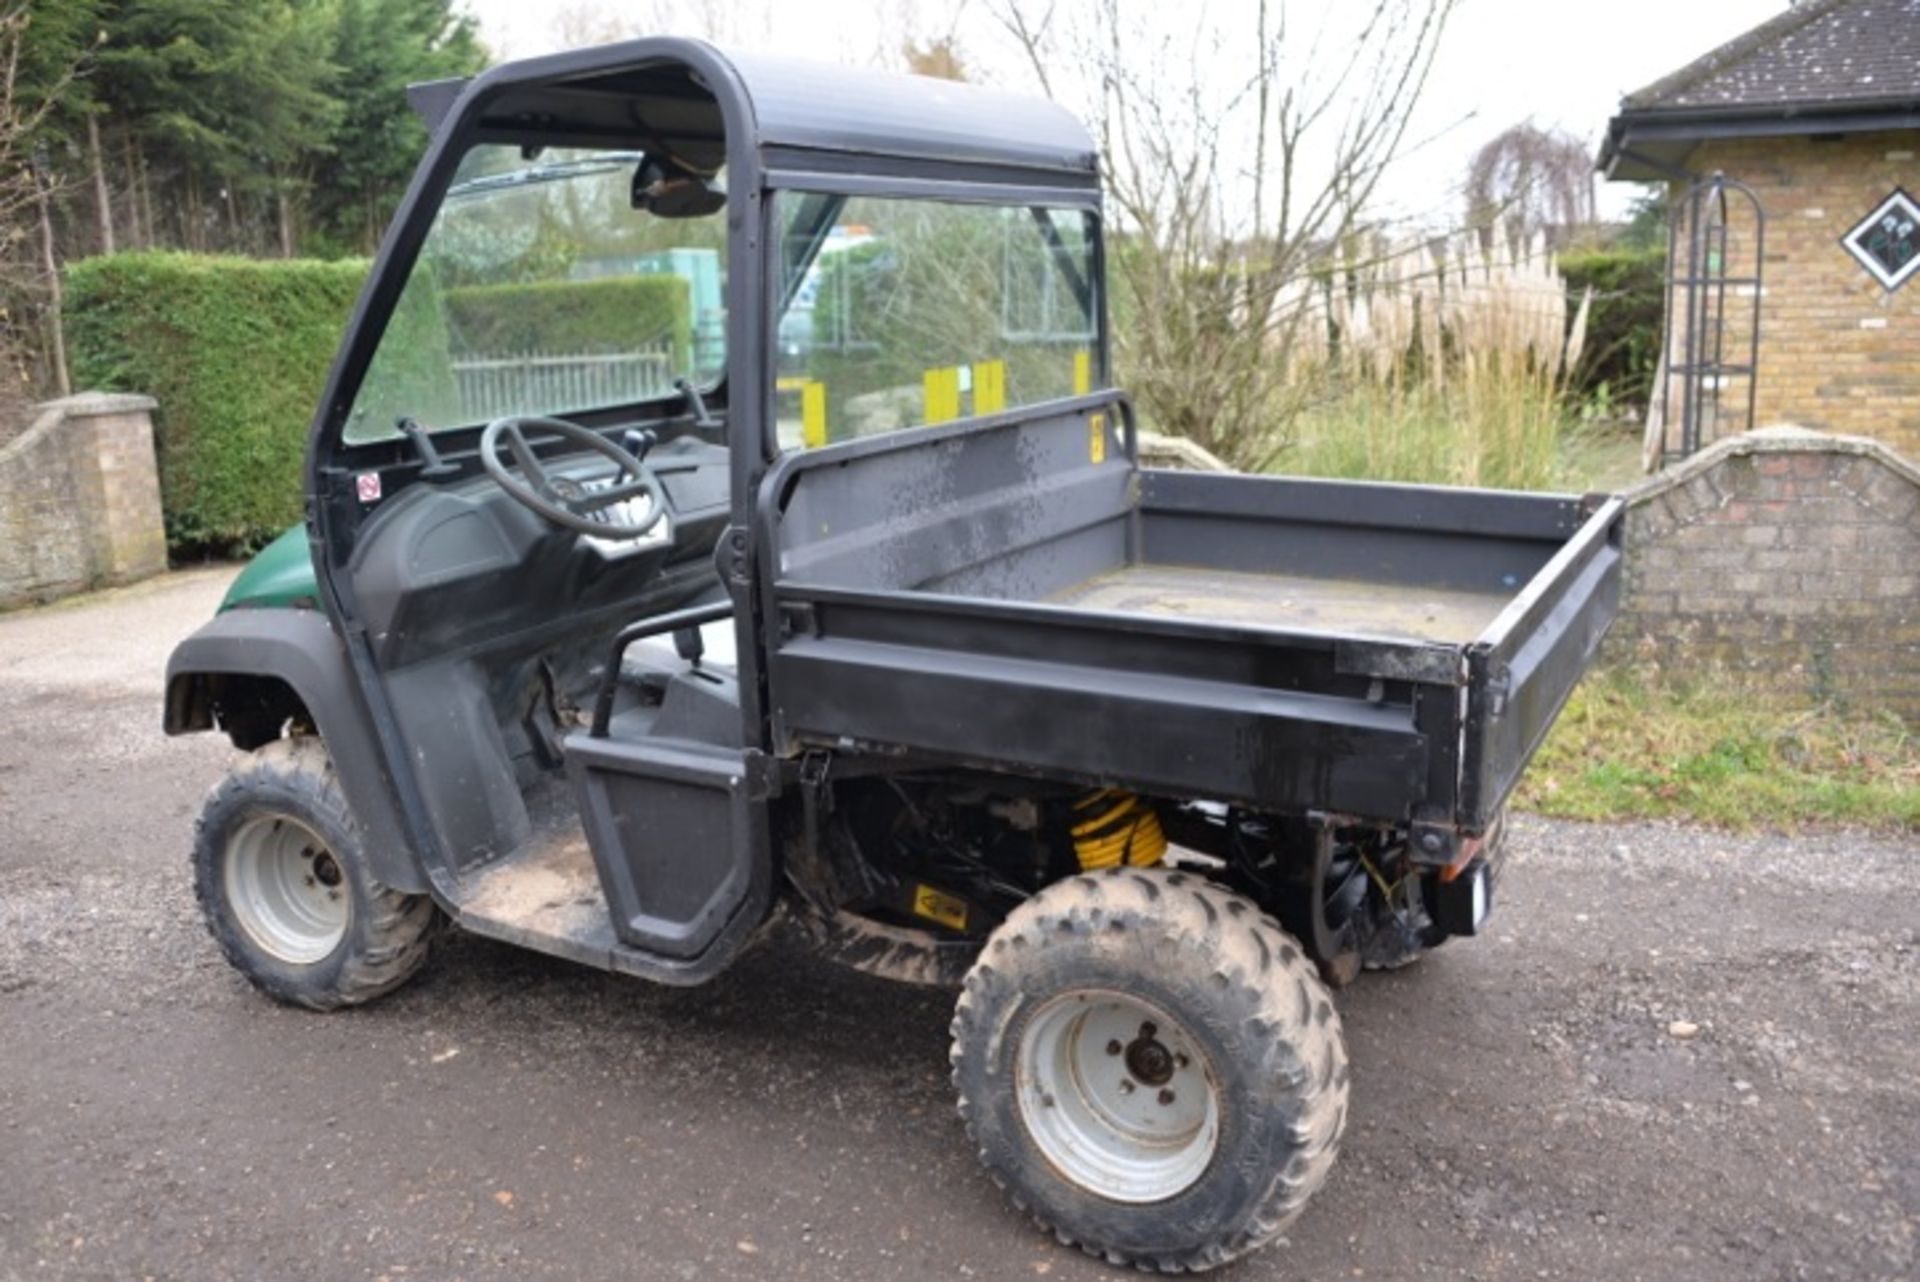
column 1522, row 668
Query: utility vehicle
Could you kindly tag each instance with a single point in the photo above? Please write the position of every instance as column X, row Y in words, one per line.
column 719, row 514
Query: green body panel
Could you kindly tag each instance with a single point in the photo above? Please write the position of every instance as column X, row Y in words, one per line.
column 280, row 576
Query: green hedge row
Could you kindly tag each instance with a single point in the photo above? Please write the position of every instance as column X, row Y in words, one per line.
column 235, row 350
column 1623, row 332
column 616, row 313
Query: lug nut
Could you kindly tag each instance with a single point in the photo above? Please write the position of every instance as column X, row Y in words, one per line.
column 1147, row 1030
column 1114, row 1047
column 1180, row 1059
column 1126, row 1086
column 1166, row 1097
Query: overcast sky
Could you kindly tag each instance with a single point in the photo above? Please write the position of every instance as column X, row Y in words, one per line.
column 1558, row 63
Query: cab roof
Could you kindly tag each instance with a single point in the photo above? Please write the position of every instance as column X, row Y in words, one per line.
column 801, row 115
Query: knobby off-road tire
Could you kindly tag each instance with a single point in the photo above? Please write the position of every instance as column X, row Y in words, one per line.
column 281, row 875
column 1246, row 1019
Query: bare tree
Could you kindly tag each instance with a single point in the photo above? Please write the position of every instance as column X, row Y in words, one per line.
column 29, row 262
column 1531, row 180
column 1244, row 148
column 597, row 22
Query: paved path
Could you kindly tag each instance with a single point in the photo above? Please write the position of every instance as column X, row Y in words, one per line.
column 1520, row 1109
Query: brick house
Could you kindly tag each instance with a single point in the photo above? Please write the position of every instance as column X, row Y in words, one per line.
column 1817, row 112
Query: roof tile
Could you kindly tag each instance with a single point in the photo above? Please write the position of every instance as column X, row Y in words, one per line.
column 1820, row 53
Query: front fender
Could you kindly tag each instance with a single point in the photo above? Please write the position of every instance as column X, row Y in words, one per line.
column 299, row 649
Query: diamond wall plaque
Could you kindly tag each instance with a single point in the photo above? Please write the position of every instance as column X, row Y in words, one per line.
column 1887, row 241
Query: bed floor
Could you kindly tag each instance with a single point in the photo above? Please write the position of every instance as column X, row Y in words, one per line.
column 1290, row 601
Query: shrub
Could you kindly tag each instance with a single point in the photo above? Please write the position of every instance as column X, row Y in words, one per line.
column 1429, row 367
column 571, row 316
column 1623, row 333
column 236, row 351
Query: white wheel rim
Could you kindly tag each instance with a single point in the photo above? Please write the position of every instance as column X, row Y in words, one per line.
column 287, row 890
column 1117, row 1096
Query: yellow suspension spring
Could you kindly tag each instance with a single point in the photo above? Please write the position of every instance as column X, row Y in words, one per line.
column 1118, row 828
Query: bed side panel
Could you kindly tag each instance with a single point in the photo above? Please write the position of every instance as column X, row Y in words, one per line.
column 1454, row 539
column 1015, row 509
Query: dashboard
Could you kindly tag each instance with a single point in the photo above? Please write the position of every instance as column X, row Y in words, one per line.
column 464, row 567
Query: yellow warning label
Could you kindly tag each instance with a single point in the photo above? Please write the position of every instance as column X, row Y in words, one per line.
column 939, row 906
column 1082, row 372
column 1097, row 438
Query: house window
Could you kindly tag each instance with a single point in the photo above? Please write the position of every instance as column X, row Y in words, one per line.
column 1887, row 241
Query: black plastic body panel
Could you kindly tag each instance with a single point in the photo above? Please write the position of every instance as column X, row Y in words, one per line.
column 1522, row 669
column 301, row 648
column 674, row 836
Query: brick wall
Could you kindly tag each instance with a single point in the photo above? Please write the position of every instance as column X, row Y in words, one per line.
column 80, row 499
column 1837, row 352
column 1789, row 557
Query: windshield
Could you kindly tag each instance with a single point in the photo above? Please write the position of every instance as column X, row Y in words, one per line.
column 541, row 290
column 901, row 312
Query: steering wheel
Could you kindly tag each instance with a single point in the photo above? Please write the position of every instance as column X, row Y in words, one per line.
column 566, row 502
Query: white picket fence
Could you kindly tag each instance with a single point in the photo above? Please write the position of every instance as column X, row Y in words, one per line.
column 554, row 382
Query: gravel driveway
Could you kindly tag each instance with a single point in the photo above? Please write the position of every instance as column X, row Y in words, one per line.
column 1678, row 1054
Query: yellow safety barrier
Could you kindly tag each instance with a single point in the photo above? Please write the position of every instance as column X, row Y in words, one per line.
column 813, row 407
column 943, row 393
column 989, row 387
column 813, row 414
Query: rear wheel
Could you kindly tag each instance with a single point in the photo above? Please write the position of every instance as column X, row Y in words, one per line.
column 1151, row 1067
column 283, row 884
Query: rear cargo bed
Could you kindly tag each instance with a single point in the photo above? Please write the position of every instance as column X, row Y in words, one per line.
column 1412, row 611
column 1006, row 596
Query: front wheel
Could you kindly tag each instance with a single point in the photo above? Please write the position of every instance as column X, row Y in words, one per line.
column 1151, row 1067
column 283, row 884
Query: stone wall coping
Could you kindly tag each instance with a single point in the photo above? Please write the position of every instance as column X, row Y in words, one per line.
column 81, row 405
column 95, row 404
column 1784, row 438
column 1182, row 452
column 51, row 415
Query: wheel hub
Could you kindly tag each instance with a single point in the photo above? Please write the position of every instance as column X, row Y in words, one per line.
column 1148, row 1060
column 287, row 891
column 1117, row 1096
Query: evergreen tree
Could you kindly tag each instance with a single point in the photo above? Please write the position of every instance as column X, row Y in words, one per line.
column 380, row 47
column 236, row 99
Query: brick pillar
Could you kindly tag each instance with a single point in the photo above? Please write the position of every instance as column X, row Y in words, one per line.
column 109, row 444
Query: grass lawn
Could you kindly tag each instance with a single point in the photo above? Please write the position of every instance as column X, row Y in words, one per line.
column 1710, row 752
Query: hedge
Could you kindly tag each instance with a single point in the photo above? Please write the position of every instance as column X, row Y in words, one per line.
column 235, row 350
column 609, row 314
column 1623, row 331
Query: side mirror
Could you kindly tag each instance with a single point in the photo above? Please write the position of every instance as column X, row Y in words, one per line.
column 667, row 190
